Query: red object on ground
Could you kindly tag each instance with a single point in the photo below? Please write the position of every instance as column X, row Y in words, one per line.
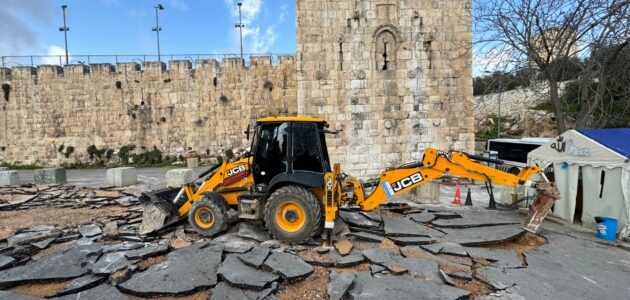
column 458, row 197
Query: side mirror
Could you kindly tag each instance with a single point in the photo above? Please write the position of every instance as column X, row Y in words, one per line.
column 247, row 132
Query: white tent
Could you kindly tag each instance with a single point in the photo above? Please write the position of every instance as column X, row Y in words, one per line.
column 603, row 157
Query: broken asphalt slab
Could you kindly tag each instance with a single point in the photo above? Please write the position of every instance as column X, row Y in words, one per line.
column 110, row 263
column 498, row 278
column 101, row 292
column 339, row 284
column 250, row 231
column 224, row 291
column 289, row 266
column 357, row 219
column 90, row 230
column 478, row 218
column 401, row 287
column 235, row 272
column 148, row 251
column 498, row 258
column 417, row 267
column 398, row 226
column 68, row 263
column 256, row 257
column 6, row 261
column 184, row 271
column 4, row 295
column 482, row 235
column 80, row 284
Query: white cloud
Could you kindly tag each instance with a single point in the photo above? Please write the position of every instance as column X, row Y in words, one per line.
column 17, row 31
column 256, row 38
column 135, row 13
column 53, row 53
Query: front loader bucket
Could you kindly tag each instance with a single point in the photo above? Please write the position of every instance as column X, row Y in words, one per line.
column 159, row 210
column 547, row 194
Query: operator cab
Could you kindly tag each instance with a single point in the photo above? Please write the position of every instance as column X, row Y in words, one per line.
column 289, row 150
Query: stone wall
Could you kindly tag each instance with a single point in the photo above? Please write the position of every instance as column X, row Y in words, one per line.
column 205, row 108
column 393, row 75
column 423, row 97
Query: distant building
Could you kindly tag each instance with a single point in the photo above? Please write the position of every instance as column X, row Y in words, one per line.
column 554, row 41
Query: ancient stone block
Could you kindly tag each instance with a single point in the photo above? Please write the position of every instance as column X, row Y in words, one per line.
column 123, row 176
column 9, row 178
column 50, row 176
column 192, row 162
column 179, row 177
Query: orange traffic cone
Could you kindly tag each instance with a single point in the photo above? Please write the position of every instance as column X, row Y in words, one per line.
column 457, row 199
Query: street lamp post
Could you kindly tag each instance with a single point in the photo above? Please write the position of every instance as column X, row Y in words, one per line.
column 65, row 29
column 240, row 28
column 157, row 28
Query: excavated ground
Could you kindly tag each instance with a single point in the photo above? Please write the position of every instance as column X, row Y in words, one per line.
column 433, row 251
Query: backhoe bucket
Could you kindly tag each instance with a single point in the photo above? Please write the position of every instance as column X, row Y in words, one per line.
column 547, row 194
column 159, row 210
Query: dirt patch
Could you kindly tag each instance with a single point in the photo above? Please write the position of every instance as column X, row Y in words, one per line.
column 147, row 262
column 39, row 289
column 526, row 242
column 201, row 295
column 476, row 287
column 364, row 267
column 13, row 220
column 311, row 287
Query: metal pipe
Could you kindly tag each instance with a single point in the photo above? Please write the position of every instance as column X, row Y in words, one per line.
column 65, row 29
column 240, row 28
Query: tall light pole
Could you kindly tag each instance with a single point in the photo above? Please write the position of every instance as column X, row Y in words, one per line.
column 157, row 28
column 65, row 29
column 240, row 28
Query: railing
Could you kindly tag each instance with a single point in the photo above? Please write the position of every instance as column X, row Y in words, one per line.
column 60, row 60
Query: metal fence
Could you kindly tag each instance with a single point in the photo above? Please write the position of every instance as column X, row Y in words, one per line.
column 60, row 60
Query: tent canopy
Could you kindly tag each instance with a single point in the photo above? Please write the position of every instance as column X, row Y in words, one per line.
column 603, row 156
column 589, row 147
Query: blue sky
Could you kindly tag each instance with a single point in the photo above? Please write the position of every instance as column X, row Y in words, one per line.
column 30, row 27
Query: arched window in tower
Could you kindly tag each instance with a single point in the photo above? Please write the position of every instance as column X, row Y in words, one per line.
column 386, row 48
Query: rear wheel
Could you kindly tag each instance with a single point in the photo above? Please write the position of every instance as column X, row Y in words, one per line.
column 292, row 214
column 207, row 217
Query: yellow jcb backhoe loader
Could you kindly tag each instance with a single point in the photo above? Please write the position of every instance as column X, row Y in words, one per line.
column 287, row 181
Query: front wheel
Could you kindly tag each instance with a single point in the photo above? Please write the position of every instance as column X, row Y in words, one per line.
column 207, row 217
column 292, row 214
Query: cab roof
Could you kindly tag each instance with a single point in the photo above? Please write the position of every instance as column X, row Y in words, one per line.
column 291, row 119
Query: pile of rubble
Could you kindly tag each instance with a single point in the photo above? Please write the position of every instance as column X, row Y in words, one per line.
column 408, row 250
column 28, row 196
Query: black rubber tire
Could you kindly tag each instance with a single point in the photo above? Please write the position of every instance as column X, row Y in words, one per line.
column 312, row 212
column 217, row 198
column 220, row 217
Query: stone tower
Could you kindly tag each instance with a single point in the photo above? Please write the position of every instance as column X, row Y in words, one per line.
column 393, row 75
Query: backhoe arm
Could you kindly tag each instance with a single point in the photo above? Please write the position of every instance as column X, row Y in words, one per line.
column 434, row 164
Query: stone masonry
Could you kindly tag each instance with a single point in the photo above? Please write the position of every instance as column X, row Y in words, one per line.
column 204, row 109
column 394, row 76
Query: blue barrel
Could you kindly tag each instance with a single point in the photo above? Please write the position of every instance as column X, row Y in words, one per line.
column 606, row 228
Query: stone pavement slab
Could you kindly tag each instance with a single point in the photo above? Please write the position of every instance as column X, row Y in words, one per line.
column 234, row 271
column 256, row 257
column 224, row 291
column 478, row 218
column 70, row 262
column 398, row 226
column 339, row 284
column 357, row 219
column 82, row 283
column 101, row 292
column 184, row 271
column 289, row 266
column 250, row 231
column 482, row 235
column 402, row 287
